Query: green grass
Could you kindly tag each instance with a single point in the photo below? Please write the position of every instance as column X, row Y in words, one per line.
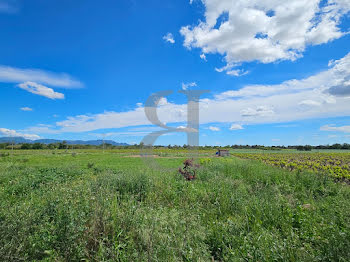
column 108, row 207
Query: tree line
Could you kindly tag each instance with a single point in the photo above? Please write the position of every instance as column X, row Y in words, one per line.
column 64, row 145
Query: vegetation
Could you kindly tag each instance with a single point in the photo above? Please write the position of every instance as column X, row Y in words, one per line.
column 304, row 148
column 64, row 145
column 336, row 165
column 112, row 207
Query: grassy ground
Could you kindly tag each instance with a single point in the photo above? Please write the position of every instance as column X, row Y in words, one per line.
column 111, row 207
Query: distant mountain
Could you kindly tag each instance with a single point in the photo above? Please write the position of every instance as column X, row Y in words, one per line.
column 21, row 140
column 15, row 140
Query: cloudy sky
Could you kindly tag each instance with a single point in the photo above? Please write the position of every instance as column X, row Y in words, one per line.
column 278, row 71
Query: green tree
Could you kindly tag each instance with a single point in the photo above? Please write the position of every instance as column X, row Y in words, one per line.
column 37, row 146
column 26, row 146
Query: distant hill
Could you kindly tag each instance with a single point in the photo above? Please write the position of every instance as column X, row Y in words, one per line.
column 21, row 140
column 15, row 140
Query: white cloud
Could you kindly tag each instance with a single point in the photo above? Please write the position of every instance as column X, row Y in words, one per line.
column 310, row 103
column 203, row 57
column 26, row 109
column 169, row 38
column 13, row 133
column 237, row 72
column 41, row 90
column 124, row 134
column 143, row 131
column 187, row 129
column 17, row 75
column 42, row 129
column 332, row 136
column 264, row 30
column 325, row 85
column 185, row 86
column 253, row 104
column 232, row 72
column 345, row 129
column 214, row 128
column 163, row 101
column 236, row 127
column 259, row 111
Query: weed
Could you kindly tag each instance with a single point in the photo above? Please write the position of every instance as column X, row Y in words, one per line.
column 189, row 170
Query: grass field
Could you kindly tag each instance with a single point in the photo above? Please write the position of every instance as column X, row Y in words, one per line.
column 111, row 206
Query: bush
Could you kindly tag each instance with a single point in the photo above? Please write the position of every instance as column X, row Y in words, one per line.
column 304, row 148
column 26, row 146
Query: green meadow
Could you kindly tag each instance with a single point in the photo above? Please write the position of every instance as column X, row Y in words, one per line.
column 90, row 205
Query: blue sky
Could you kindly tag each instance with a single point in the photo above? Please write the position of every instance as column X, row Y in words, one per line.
column 278, row 72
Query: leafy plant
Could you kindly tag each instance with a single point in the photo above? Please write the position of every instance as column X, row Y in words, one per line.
column 4, row 154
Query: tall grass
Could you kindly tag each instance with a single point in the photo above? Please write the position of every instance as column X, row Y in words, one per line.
column 119, row 210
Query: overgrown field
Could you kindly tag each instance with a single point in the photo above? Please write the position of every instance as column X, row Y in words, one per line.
column 94, row 206
column 336, row 165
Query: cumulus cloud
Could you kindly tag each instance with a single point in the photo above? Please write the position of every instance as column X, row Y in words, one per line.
column 236, row 127
column 323, row 85
column 18, row 75
column 41, row 90
column 168, row 112
column 214, row 128
column 13, row 133
column 291, row 100
column 341, row 90
column 185, row 86
column 264, row 30
column 26, row 108
column 345, row 129
column 169, row 38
